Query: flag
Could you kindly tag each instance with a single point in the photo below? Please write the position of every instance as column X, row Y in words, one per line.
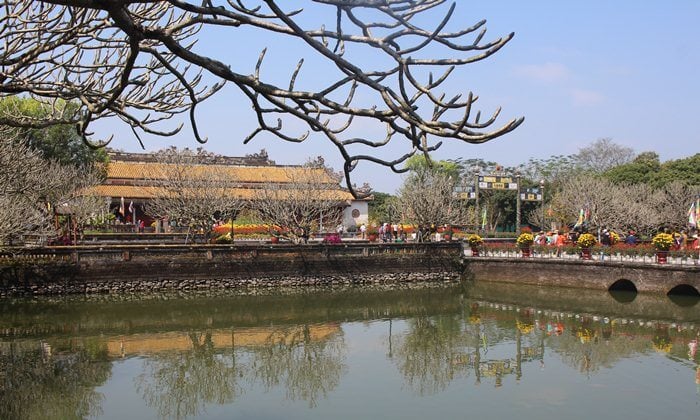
column 121, row 207
column 581, row 218
column 131, row 207
column 483, row 219
column 692, row 215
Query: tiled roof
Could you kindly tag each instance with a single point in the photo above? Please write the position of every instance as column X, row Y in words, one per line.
column 243, row 174
column 134, row 180
column 143, row 192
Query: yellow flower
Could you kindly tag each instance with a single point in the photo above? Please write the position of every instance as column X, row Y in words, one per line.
column 662, row 241
column 525, row 239
column 524, row 327
column 474, row 240
column 586, row 240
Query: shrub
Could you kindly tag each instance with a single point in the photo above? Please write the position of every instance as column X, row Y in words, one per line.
column 332, row 238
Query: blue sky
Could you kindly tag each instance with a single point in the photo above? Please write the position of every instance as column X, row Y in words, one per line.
column 576, row 70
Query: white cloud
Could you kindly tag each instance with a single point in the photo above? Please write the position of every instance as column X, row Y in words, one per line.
column 585, row 97
column 547, row 72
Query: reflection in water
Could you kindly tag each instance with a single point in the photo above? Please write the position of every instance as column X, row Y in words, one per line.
column 307, row 368
column 623, row 296
column 41, row 381
column 203, row 352
column 179, row 383
column 684, row 300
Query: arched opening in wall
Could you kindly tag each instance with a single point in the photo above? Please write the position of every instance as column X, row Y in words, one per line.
column 684, row 295
column 623, row 285
column 623, row 291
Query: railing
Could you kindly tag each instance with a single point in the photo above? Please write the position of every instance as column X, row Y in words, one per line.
column 684, row 258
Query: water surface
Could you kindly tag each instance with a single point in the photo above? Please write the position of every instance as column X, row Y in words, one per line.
column 451, row 351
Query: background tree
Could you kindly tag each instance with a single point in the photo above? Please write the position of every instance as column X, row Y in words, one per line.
column 31, row 188
column 603, row 154
column 428, row 197
column 137, row 62
column 77, row 202
column 647, row 168
column 303, row 199
column 641, row 170
column 383, row 207
column 191, row 191
column 671, row 204
column 60, row 143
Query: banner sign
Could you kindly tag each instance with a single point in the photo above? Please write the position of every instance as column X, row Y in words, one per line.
column 531, row 194
column 466, row 193
column 497, row 183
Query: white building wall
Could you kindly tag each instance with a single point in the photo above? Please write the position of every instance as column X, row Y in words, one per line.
column 356, row 213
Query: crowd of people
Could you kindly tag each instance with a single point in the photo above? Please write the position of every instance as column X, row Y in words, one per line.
column 681, row 239
column 395, row 232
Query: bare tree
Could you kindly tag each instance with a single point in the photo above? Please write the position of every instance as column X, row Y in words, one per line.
column 615, row 206
column 300, row 199
column 77, row 200
column 192, row 191
column 140, row 62
column 603, row 154
column 427, row 197
column 673, row 201
column 31, row 188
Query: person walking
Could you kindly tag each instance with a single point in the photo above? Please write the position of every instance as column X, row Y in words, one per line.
column 560, row 242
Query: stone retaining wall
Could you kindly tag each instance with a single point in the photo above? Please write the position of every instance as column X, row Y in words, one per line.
column 646, row 278
column 126, row 269
column 134, row 269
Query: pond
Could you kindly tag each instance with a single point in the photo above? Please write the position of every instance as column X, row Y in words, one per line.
column 457, row 351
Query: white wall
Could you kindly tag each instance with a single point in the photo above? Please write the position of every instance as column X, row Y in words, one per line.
column 362, row 208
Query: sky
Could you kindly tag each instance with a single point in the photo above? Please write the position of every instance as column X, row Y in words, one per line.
column 577, row 71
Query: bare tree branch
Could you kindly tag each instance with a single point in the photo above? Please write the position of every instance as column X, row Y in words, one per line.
column 134, row 60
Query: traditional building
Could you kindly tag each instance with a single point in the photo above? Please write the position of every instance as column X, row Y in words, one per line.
column 133, row 179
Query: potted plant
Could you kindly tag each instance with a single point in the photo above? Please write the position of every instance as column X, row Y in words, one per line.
column 372, row 233
column 662, row 242
column 585, row 242
column 525, row 241
column 275, row 236
column 614, row 238
column 475, row 241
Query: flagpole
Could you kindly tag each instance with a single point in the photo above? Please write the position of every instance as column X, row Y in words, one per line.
column 542, row 191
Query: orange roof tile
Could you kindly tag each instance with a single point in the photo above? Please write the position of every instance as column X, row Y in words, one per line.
column 250, row 174
column 145, row 192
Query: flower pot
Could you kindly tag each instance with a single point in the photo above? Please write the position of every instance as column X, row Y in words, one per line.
column 526, row 251
column 475, row 251
column 662, row 257
column 372, row 237
column 586, row 253
column 274, row 240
